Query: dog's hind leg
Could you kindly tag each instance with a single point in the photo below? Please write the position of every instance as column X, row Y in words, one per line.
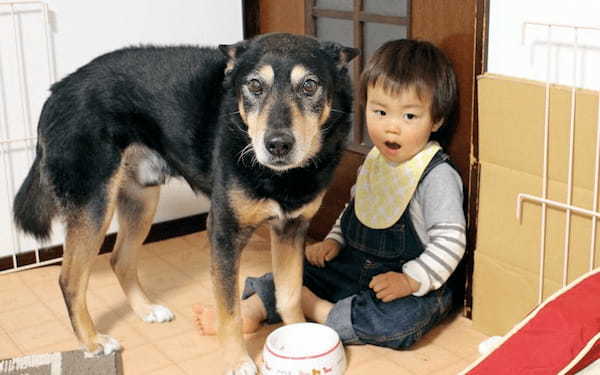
column 86, row 228
column 136, row 206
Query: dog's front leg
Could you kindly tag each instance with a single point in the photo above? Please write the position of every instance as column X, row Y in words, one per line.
column 227, row 241
column 287, row 251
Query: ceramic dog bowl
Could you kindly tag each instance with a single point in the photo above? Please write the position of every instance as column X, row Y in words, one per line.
column 303, row 349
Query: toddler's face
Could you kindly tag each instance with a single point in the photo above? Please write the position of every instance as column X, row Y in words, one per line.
column 399, row 124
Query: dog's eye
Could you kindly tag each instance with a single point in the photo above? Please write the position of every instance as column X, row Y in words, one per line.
column 309, row 87
column 255, row 87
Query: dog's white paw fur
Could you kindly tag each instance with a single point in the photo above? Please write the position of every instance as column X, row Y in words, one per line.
column 108, row 345
column 159, row 314
column 247, row 367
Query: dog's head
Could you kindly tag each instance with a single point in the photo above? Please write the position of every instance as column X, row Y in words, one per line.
column 284, row 86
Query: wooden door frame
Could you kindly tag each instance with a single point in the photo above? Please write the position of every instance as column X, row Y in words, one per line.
column 250, row 18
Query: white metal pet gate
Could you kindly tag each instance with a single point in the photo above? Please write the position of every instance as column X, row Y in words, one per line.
column 567, row 205
column 19, row 144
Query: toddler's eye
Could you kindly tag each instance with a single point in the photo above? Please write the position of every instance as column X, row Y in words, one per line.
column 379, row 112
column 410, row 116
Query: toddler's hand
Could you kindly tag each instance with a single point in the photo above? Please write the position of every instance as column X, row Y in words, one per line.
column 392, row 285
column 321, row 252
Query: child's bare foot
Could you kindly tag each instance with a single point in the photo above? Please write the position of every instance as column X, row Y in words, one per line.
column 205, row 319
column 315, row 308
column 253, row 314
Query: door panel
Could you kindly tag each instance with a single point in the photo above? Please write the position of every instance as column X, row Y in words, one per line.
column 281, row 16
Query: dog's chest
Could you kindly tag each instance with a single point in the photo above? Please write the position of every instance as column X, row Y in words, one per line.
column 252, row 211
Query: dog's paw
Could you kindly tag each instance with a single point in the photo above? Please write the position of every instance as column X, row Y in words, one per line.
column 246, row 367
column 105, row 345
column 159, row 314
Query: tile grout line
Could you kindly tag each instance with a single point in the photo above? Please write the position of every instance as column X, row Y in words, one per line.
column 14, row 343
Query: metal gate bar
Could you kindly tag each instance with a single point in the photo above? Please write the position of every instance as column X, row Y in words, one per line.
column 29, row 140
column 568, row 207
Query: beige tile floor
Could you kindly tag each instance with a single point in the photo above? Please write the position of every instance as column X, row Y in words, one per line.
column 175, row 273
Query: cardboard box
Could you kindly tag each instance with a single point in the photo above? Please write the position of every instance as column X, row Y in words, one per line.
column 511, row 149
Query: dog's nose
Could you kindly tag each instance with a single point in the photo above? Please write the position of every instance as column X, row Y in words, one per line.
column 279, row 144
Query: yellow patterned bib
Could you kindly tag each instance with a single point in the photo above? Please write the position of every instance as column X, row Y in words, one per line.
column 384, row 189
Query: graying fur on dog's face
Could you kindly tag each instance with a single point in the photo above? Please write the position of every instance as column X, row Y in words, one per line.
column 284, row 102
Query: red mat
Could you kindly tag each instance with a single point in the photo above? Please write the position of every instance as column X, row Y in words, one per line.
column 562, row 336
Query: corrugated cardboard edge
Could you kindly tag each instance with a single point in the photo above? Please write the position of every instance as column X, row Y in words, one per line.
column 538, row 83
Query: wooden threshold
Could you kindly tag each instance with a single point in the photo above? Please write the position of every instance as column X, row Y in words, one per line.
column 158, row 232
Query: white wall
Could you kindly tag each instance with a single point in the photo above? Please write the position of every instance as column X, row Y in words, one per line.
column 80, row 31
column 510, row 53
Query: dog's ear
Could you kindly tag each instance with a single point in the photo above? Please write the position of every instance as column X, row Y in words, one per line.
column 341, row 55
column 233, row 52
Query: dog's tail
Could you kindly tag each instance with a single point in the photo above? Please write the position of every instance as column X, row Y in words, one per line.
column 34, row 206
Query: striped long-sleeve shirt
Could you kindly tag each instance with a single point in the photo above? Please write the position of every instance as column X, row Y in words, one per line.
column 436, row 210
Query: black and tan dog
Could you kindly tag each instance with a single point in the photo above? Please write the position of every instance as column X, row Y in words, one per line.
column 258, row 126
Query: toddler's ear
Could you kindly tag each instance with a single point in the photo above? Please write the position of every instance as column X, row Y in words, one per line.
column 437, row 126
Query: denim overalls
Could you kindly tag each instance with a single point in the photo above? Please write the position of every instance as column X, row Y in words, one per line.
column 358, row 316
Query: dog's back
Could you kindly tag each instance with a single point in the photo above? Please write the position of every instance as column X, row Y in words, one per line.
column 138, row 95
